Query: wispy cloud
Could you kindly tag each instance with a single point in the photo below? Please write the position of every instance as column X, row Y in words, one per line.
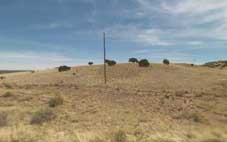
column 52, row 26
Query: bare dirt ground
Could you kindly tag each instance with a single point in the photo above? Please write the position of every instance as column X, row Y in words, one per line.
column 176, row 103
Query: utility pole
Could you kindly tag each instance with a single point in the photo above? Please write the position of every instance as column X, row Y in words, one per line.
column 104, row 53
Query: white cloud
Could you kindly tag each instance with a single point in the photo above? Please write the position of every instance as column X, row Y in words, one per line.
column 193, row 13
column 53, row 25
column 33, row 60
column 195, row 6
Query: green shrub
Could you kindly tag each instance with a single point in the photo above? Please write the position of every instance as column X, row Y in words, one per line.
column 56, row 101
column 90, row 63
column 8, row 86
column 63, row 68
column 133, row 60
column 3, row 119
column 166, row 62
column 120, row 136
column 42, row 116
column 111, row 62
column 7, row 94
column 144, row 63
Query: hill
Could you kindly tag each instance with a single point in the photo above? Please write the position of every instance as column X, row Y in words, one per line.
column 174, row 103
column 216, row 64
column 13, row 71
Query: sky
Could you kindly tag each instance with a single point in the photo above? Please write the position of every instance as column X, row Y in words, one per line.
column 39, row 34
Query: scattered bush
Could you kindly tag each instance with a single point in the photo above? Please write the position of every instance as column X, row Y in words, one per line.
column 90, row 63
column 2, row 77
column 8, row 86
column 42, row 116
column 32, row 71
column 144, row 63
column 7, row 94
column 111, row 62
column 195, row 117
column 133, row 60
column 56, row 101
column 64, row 68
column 166, row 62
column 3, row 119
column 120, row 136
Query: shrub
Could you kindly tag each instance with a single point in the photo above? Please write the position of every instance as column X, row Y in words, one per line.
column 111, row 62
column 8, row 86
column 42, row 116
column 7, row 94
column 90, row 63
column 166, row 62
column 64, row 68
column 3, row 119
column 133, row 60
column 195, row 117
column 144, row 63
column 56, row 101
column 120, row 136
column 2, row 77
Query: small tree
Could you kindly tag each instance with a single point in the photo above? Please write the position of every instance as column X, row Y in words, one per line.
column 64, row 68
column 90, row 63
column 144, row 63
column 111, row 62
column 133, row 60
column 166, row 62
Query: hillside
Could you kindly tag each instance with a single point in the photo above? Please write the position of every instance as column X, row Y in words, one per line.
column 216, row 64
column 13, row 71
column 160, row 103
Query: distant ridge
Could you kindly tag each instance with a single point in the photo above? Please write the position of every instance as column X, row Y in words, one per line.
column 216, row 64
column 13, row 71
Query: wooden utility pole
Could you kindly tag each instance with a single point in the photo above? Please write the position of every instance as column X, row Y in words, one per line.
column 104, row 53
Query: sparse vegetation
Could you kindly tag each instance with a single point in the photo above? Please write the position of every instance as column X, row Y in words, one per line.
column 155, row 104
column 3, row 119
column 42, row 116
column 56, row 101
column 144, row 63
column 166, row 62
column 120, row 136
column 133, row 60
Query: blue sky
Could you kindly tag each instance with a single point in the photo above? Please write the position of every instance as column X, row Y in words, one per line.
column 38, row 34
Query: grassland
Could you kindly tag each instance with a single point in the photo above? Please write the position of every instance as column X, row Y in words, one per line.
column 175, row 103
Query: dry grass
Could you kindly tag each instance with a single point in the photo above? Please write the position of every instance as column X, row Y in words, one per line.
column 140, row 101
